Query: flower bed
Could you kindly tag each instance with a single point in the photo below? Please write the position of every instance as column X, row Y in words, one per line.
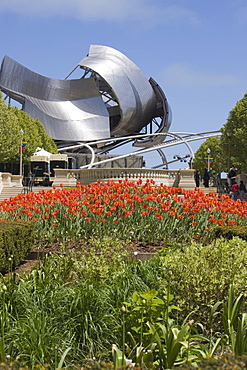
column 129, row 210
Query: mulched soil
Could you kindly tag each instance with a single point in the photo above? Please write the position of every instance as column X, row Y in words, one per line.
column 34, row 257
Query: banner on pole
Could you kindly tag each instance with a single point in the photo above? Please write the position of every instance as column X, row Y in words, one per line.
column 208, row 160
column 24, row 144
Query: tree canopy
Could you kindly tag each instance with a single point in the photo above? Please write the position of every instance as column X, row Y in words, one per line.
column 234, row 136
column 201, row 156
column 12, row 122
column 231, row 147
column 10, row 135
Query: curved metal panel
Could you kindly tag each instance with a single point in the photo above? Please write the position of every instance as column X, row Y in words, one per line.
column 69, row 109
column 165, row 114
column 135, row 95
column 16, row 77
column 70, row 120
column 115, row 100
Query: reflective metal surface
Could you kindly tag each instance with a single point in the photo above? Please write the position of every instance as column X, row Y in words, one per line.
column 111, row 99
column 134, row 93
column 69, row 109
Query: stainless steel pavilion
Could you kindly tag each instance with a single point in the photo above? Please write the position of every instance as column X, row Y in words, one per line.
column 112, row 103
column 112, row 98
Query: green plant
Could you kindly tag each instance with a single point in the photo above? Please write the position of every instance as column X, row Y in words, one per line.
column 224, row 362
column 231, row 310
column 67, row 308
column 16, row 240
column 228, row 232
column 202, row 274
column 3, row 322
column 234, row 322
column 155, row 339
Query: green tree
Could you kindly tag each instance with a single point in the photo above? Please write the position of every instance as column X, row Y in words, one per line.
column 12, row 121
column 10, row 136
column 234, row 136
column 34, row 135
column 231, row 147
column 216, row 153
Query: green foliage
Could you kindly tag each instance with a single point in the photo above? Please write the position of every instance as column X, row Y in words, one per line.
column 12, row 120
column 230, row 148
column 146, row 307
column 66, row 315
column 34, row 135
column 16, row 240
column 93, row 364
column 224, row 362
column 95, row 261
column 234, row 322
column 10, row 136
column 231, row 311
column 216, row 153
column 176, row 345
column 155, row 338
column 201, row 275
column 234, row 135
column 16, row 365
column 228, row 232
column 71, row 301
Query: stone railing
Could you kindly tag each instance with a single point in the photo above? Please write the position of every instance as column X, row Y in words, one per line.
column 68, row 177
column 9, row 180
column 181, row 178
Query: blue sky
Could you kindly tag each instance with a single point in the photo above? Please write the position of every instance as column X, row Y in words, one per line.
column 195, row 49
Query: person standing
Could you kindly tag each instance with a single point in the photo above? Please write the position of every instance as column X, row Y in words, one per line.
column 234, row 190
column 232, row 175
column 227, row 188
column 242, row 190
column 197, row 178
column 206, row 178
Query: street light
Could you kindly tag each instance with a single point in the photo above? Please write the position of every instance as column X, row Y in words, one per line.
column 22, row 132
column 208, row 151
column 228, row 149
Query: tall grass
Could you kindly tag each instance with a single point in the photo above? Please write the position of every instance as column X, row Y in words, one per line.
column 70, row 301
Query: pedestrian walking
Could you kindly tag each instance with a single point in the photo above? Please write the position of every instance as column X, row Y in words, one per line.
column 242, row 190
column 197, row 178
column 206, row 178
column 232, row 175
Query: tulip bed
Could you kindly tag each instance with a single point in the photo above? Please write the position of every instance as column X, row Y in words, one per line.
column 129, row 210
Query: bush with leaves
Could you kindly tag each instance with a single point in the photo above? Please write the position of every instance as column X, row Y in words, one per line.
column 225, row 362
column 201, row 275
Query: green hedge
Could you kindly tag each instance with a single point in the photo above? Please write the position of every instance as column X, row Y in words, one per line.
column 225, row 362
column 18, row 366
column 200, row 275
column 228, row 232
column 16, row 240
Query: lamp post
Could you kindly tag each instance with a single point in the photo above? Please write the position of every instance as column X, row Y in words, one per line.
column 22, row 132
column 228, row 149
column 208, row 151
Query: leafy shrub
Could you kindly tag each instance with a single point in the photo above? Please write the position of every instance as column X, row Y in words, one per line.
column 226, row 362
column 16, row 240
column 228, row 232
column 201, row 275
column 18, row 366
